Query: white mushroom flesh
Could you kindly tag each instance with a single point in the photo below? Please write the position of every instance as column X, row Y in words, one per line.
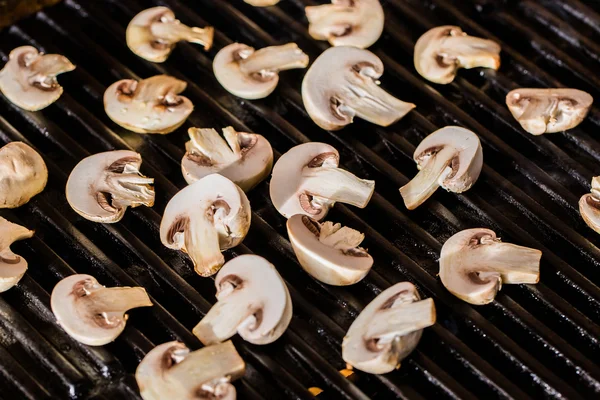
column 589, row 206
column 23, row 174
column 12, row 266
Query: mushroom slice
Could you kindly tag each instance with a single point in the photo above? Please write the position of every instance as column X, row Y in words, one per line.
column 343, row 83
column 589, row 205
column 474, row 264
column 151, row 105
column 254, row 74
column 154, row 32
column 102, row 186
column 12, row 266
column 28, row 79
column 252, row 300
column 306, row 180
column 357, row 23
column 441, row 51
column 548, row 110
column 328, row 251
column 23, row 174
column 450, row 157
column 262, row 3
column 91, row 313
column 244, row 158
column 172, row 371
column 388, row 329
column 205, row 218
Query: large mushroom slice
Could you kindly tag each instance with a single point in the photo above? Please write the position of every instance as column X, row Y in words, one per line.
column 12, row 266
column 102, row 186
column 441, row 51
column 254, row 74
column 23, row 174
column 306, row 180
column 205, row 218
column 388, row 329
column 91, row 313
column 172, row 371
column 252, row 300
column 152, row 105
column 262, row 3
column 589, row 205
column 357, row 23
column 343, row 83
column 450, row 157
column 244, row 158
column 29, row 77
column 548, row 110
column 474, row 264
column 154, row 32
column 329, row 252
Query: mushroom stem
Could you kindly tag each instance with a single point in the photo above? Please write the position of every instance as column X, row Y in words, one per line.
column 174, row 31
column 332, row 19
column 118, row 299
column 209, row 143
column 537, row 121
column 401, row 320
column 202, row 245
column 270, row 60
column 340, row 237
column 46, row 67
column 596, row 187
column 161, row 87
column 336, row 184
column 514, row 264
column 130, row 189
column 471, row 51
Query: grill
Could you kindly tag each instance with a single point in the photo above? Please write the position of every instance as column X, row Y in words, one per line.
column 538, row 341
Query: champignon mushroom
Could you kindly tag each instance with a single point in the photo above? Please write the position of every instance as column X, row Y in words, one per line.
column 153, row 33
column 254, row 74
column 245, row 158
column 474, row 264
column 103, row 185
column 388, row 329
column 23, row 174
column 343, row 83
column 262, row 3
column 548, row 110
column 357, row 23
column 205, row 218
column 441, row 51
column 28, row 79
column 589, row 205
column 172, row 371
column 328, row 251
column 450, row 157
column 151, row 105
column 12, row 266
column 91, row 313
column 306, row 180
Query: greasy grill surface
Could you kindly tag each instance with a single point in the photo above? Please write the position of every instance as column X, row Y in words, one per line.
column 533, row 341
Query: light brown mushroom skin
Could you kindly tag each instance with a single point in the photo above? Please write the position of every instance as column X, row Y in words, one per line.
column 589, row 206
column 12, row 266
column 23, row 174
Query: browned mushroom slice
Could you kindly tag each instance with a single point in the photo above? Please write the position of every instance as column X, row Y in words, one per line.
column 12, row 266
column 23, row 174
column 589, row 206
column 262, row 3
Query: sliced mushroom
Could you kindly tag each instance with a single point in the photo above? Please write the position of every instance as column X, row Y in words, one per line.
column 245, row 158
column 450, row 157
column 154, row 32
column 102, row 186
column 254, row 74
column 388, row 329
column 306, row 180
column 205, row 218
column 548, row 110
column 172, row 371
column 23, row 174
column 441, row 51
column 343, row 83
column 328, row 251
column 474, row 264
column 262, row 3
column 151, row 105
column 357, row 23
column 28, row 79
column 91, row 313
column 12, row 266
column 589, row 206
column 252, row 300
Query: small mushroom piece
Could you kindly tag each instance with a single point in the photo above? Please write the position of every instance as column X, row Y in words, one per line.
column 357, row 23
column 441, row 51
column 28, row 79
column 262, row 3
column 23, row 174
column 172, row 371
column 306, row 180
column 589, row 205
column 154, row 32
column 91, row 313
column 244, row 158
column 388, row 329
column 329, row 252
column 152, row 105
column 548, row 110
column 103, row 185
column 474, row 264
column 254, row 74
column 450, row 157
column 12, row 266
column 252, row 300
column 207, row 217
column 343, row 83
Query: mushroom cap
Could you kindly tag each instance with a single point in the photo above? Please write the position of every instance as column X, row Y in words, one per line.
column 140, row 39
column 23, row 174
column 589, row 206
column 262, row 3
column 12, row 266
